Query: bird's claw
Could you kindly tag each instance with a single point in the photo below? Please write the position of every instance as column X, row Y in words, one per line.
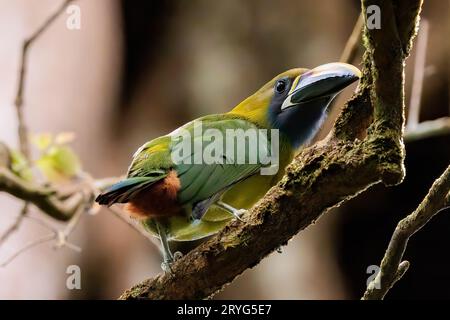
column 239, row 213
column 177, row 255
column 166, row 265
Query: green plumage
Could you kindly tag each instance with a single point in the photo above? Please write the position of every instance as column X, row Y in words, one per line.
column 199, row 182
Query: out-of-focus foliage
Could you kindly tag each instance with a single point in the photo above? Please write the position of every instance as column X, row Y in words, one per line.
column 20, row 166
column 57, row 161
column 5, row 155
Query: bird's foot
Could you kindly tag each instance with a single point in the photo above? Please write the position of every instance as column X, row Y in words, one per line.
column 177, row 255
column 239, row 213
column 166, row 265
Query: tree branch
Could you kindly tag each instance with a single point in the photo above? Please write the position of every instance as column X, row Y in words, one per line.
column 428, row 129
column 418, row 78
column 353, row 42
column 22, row 130
column 18, row 102
column 60, row 236
column 364, row 148
column 15, row 226
column 392, row 269
column 28, row 246
column 43, row 198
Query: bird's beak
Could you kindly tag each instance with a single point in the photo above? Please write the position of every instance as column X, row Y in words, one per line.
column 324, row 81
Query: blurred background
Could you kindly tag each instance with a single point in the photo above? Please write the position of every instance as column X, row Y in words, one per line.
column 139, row 69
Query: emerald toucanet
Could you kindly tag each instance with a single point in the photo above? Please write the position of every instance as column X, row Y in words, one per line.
column 180, row 195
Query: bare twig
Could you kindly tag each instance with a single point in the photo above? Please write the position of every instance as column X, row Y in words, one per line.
column 40, row 222
column 28, row 246
column 392, row 269
column 60, row 236
column 419, row 76
column 19, row 102
column 15, row 226
column 354, row 41
column 428, row 129
column 5, row 156
column 64, row 234
column 22, row 127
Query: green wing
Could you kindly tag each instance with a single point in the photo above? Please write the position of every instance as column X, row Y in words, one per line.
column 199, row 181
column 152, row 156
column 221, row 170
column 150, row 164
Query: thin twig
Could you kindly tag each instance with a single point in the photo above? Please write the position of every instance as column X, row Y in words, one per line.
column 30, row 245
column 5, row 156
column 22, row 129
column 74, row 221
column 353, row 43
column 428, row 129
column 419, row 76
column 19, row 100
column 61, row 236
column 41, row 222
column 15, row 226
column 64, row 234
column 392, row 268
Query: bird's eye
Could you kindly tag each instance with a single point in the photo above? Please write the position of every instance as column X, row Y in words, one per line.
column 280, row 86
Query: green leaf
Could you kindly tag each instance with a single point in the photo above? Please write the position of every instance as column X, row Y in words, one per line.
column 60, row 163
column 42, row 141
column 19, row 166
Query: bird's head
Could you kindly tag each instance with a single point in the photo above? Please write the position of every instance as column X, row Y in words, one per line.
column 296, row 101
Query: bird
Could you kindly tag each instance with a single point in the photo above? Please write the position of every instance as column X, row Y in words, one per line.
column 179, row 194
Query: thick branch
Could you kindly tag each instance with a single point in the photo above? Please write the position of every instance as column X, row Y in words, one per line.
column 392, row 269
column 41, row 197
column 319, row 178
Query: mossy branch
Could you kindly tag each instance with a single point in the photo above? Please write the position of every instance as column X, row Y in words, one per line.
column 365, row 147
